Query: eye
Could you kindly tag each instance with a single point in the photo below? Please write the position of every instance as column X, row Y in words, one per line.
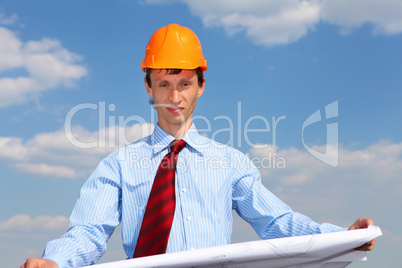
column 185, row 84
column 163, row 85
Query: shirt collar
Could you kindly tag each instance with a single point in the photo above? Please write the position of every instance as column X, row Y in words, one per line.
column 160, row 139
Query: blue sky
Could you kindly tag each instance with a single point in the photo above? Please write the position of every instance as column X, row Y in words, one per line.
column 267, row 60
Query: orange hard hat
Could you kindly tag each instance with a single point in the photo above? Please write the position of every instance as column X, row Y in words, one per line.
column 174, row 47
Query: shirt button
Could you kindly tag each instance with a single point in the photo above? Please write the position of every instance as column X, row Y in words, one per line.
column 184, row 190
column 192, row 248
column 188, row 218
column 180, row 161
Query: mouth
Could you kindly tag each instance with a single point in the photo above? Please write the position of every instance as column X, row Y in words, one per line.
column 175, row 110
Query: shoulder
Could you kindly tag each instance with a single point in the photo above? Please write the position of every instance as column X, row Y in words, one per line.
column 138, row 148
column 211, row 148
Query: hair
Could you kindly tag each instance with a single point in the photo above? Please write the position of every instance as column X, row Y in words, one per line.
column 198, row 71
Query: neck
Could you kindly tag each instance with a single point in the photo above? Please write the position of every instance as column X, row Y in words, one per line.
column 177, row 131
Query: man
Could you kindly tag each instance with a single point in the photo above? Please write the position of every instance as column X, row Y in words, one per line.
column 196, row 198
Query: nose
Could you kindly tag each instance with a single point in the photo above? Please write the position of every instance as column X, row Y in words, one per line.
column 174, row 96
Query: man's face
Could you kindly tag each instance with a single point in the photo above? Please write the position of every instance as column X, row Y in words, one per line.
column 174, row 96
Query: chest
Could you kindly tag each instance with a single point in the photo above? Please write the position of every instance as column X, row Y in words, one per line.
column 198, row 179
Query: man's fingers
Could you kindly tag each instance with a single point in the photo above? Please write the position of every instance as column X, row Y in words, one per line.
column 368, row 246
column 39, row 263
column 364, row 222
column 31, row 263
column 361, row 223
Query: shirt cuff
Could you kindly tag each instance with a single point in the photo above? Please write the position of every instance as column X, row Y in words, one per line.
column 329, row 228
column 58, row 258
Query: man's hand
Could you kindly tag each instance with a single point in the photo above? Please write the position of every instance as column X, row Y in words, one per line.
column 39, row 263
column 361, row 224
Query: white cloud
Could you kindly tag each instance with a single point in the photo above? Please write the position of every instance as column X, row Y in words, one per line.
column 10, row 50
column 23, row 236
column 20, row 225
column 264, row 22
column 7, row 20
column 366, row 182
column 12, row 149
column 273, row 22
column 385, row 15
column 63, row 155
column 48, row 65
column 25, row 223
column 47, row 170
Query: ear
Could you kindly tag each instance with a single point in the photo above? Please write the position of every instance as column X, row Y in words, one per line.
column 201, row 89
column 148, row 88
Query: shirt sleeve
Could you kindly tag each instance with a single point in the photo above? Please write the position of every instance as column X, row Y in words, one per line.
column 96, row 214
column 268, row 215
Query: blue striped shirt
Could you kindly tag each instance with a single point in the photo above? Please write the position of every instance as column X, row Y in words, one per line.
column 212, row 179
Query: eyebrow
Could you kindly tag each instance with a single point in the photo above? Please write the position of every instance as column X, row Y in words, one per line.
column 180, row 81
column 185, row 80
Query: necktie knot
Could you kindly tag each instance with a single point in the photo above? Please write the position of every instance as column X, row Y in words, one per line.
column 177, row 145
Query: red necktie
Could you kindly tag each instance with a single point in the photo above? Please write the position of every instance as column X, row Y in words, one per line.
column 158, row 217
